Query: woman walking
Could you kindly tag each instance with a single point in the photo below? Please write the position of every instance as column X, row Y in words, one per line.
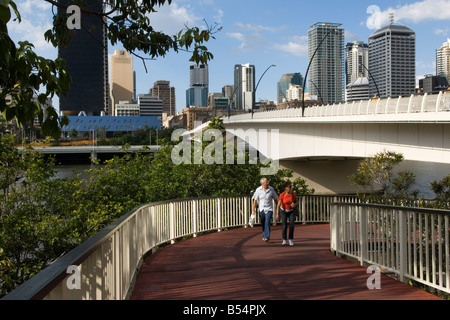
column 287, row 202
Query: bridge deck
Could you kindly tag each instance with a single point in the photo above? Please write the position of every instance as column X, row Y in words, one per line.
column 238, row 265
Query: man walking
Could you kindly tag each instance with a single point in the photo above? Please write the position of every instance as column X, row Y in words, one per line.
column 264, row 197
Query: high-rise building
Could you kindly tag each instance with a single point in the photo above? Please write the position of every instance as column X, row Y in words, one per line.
column 244, row 82
column 358, row 90
column 294, row 92
column 284, row 83
column 392, row 61
column 163, row 91
column 122, row 84
column 443, row 60
column 197, row 94
column 149, row 106
column 326, row 74
column 86, row 58
column 357, row 61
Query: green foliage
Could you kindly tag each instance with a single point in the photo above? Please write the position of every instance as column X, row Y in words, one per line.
column 380, row 183
column 23, row 74
column 216, row 123
column 441, row 188
column 43, row 217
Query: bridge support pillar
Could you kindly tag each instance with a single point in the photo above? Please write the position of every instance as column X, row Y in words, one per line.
column 325, row 176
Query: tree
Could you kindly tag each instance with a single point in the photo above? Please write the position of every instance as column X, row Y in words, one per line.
column 441, row 188
column 23, row 73
column 380, row 183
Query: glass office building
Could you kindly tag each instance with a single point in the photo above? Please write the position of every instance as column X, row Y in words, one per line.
column 286, row 80
column 86, row 58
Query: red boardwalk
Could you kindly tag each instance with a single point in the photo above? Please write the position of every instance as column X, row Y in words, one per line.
column 238, row 265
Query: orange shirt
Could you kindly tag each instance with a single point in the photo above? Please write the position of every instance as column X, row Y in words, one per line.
column 286, row 200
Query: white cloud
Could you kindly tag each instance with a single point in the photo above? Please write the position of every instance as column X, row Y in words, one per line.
column 170, row 19
column 36, row 20
column 297, row 46
column 257, row 27
column 443, row 32
column 248, row 41
column 415, row 12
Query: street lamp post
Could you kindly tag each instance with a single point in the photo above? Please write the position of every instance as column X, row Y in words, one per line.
column 307, row 70
column 257, row 85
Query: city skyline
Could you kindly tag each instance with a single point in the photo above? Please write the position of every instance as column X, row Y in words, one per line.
column 270, row 34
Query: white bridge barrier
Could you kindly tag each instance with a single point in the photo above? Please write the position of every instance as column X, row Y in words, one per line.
column 401, row 105
column 412, row 243
column 108, row 263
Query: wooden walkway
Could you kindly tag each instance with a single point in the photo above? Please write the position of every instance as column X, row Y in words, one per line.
column 238, row 265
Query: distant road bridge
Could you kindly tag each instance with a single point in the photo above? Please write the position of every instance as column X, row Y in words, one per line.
column 93, row 151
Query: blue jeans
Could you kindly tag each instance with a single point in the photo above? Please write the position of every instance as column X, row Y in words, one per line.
column 265, row 223
column 284, row 216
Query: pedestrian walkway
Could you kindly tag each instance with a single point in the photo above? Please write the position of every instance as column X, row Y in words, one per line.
column 238, row 265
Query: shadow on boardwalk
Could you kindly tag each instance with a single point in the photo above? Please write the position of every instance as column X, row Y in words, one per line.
column 238, row 265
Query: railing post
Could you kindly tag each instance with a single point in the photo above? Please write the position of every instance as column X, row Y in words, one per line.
column 246, row 213
column 398, row 104
column 362, row 234
column 422, row 108
column 409, row 104
column 194, row 218
column 303, row 210
column 403, row 244
column 172, row 222
column 219, row 214
column 438, row 101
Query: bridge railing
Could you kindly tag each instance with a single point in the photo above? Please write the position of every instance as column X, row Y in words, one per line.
column 105, row 266
column 402, row 105
column 412, row 243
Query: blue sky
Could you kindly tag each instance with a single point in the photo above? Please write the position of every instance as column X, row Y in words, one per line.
column 260, row 32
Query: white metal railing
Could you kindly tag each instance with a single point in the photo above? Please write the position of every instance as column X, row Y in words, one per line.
column 108, row 262
column 413, row 243
column 412, row 104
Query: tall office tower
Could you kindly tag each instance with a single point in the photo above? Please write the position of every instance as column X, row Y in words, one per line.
column 326, row 74
column 443, row 60
column 286, row 80
column 244, row 82
column 86, row 58
column 197, row 94
column 164, row 92
column 392, row 61
column 357, row 61
column 121, row 78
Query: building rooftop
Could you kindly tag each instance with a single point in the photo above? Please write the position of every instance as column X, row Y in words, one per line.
column 396, row 29
column 111, row 124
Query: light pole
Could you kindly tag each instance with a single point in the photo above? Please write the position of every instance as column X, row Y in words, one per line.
column 370, row 74
column 307, row 70
column 257, row 85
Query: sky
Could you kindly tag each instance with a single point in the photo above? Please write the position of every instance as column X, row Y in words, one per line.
column 259, row 32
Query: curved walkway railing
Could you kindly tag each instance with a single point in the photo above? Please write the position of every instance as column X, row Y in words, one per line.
column 105, row 266
column 413, row 243
column 402, row 105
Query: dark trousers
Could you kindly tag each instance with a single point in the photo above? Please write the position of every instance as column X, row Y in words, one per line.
column 284, row 216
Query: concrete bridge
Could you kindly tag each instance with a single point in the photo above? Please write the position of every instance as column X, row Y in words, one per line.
column 326, row 144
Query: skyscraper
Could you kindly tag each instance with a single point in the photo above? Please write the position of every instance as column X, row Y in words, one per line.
column 443, row 61
column 244, row 83
column 326, row 74
column 392, row 61
column 122, row 84
column 286, row 80
column 357, row 61
column 164, row 92
column 86, row 58
column 197, row 94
